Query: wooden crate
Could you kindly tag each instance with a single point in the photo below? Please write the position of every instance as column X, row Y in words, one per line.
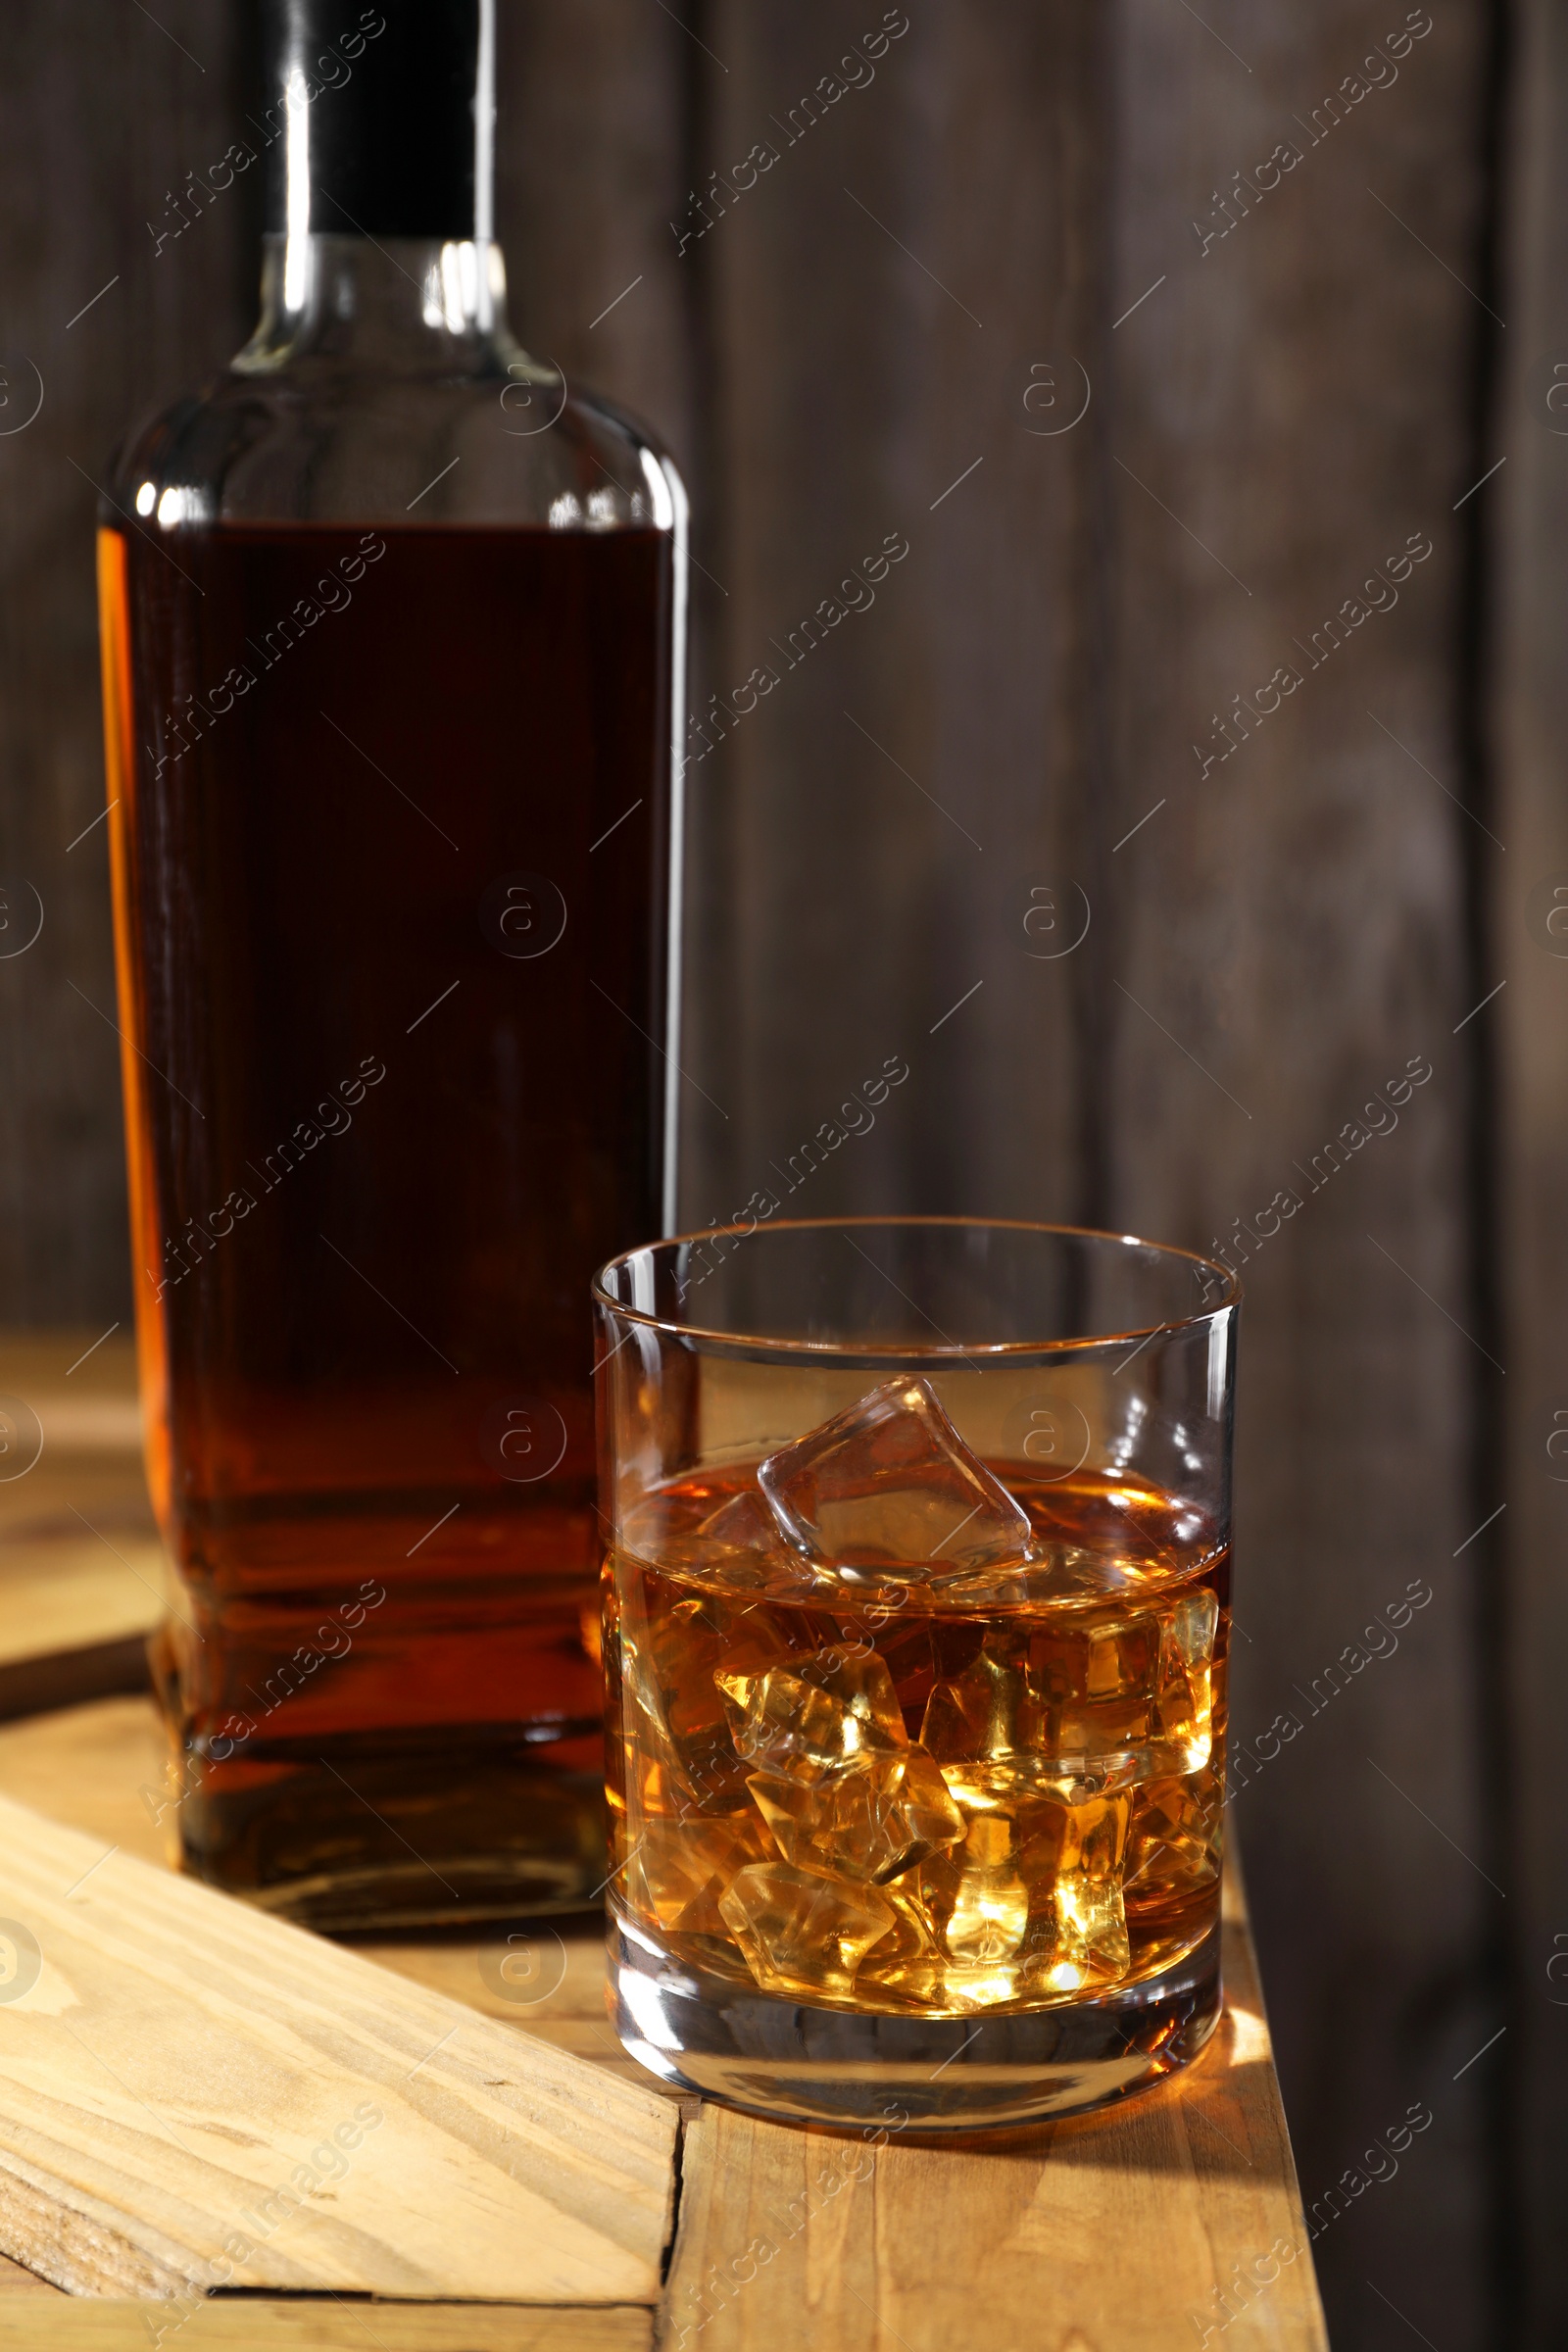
column 526, row 2186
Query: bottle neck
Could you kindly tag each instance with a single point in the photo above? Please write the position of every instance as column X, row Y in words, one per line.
column 380, row 250
column 382, row 129
column 400, row 306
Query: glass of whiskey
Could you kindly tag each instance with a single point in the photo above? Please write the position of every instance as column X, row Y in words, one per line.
column 916, row 1618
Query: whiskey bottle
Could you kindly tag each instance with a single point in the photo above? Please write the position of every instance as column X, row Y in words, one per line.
column 393, row 629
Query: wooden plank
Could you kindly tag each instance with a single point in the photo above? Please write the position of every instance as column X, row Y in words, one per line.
column 880, row 819
column 1273, row 415
column 1117, row 2233
column 81, row 1567
column 82, row 1380
column 546, row 1977
column 98, row 1768
column 68, row 1593
column 101, row 1768
column 1165, row 2159
column 90, row 1764
column 254, row 2325
column 17, row 2279
column 590, row 104
column 174, row 2072
column 1530, row 1023
column 1284, row 936
column 158, row 106
column 59, row 1678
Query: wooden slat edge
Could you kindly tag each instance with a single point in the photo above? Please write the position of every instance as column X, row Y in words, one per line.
column 78, row 2247
column 36, row 1686
column 305, row 2323
column 567, row 2173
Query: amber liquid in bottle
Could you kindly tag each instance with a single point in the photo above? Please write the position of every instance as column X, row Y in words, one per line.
column 389, row 814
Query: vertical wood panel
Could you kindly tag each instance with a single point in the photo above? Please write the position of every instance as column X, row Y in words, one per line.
column 589, row 158
column 848, row 336
column 1531, row 727
column 101, row 116
column 595, row 108
column 1292, row 404
column 904, row 781
column 1295, row 399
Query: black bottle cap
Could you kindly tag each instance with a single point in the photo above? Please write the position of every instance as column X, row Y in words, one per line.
column 383, row 113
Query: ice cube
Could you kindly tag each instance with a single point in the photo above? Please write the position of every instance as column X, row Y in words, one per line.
column 678, row 1870
column 720, row 1537
column 991, row 1909
column 1135, row 1689
column 1087, row 1701
column 991, row 1711
column 1176, row 1835
column 741, row 1544
column 1101, row 1672
column 889, row 1487
column 801, row 1932
column 905, row 1967
column 677, row 1716
column 906, row 1649
column 1193, row 1623
column 1092, row 1947
column 811, row 1715
column 980, row 1897
column 873, row 1819
column 1186, row 1703
column 835, row 1774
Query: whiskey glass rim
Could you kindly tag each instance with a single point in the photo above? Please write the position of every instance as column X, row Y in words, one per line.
column 1221, row 1283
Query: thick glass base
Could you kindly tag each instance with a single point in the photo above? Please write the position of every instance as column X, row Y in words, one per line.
column 413, row 1831
column 773, row 2056
column 350, row 1827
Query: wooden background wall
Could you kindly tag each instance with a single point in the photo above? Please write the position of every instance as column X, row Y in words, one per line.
column 1032, row 205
